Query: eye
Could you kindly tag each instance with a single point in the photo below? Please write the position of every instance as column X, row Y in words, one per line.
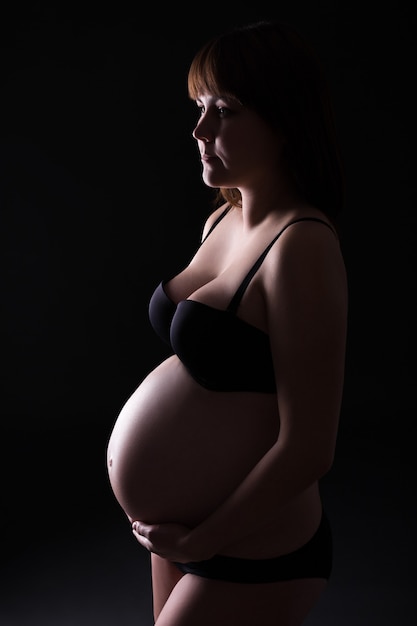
column 224, row 111
column 221, row 111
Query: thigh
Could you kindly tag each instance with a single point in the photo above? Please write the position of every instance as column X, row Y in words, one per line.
column 197, row 600
column 164, row 578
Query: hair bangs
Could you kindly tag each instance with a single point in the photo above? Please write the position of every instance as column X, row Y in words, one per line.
column 212, row 71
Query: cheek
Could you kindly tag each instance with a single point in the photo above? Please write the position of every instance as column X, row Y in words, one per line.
column 241, row 147
column 249, row 152
column 262, row 149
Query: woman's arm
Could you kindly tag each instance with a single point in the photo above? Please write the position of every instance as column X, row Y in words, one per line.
column 306, row 301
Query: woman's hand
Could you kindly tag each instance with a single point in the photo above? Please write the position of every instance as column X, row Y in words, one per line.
column 169, row 541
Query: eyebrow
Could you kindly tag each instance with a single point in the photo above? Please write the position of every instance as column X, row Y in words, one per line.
column 231, row 99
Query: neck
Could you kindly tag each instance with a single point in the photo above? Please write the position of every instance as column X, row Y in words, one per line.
column 257, row 205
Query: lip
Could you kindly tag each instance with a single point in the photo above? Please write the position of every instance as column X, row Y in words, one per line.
column 208, row 157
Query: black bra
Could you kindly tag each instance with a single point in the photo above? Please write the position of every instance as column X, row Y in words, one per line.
column 221, row 351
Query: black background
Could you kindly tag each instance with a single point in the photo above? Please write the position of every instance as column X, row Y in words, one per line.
column 101, row 196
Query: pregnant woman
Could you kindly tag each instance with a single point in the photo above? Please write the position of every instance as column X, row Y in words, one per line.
column 216, row 457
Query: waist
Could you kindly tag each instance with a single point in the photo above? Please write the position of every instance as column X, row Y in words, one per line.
column 313, row 559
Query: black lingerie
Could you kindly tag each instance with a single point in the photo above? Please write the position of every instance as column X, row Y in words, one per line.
column 312, row 560
column 221, row 351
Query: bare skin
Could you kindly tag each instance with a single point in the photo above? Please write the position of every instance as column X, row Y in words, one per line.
column 216, row 602
column 187, row 462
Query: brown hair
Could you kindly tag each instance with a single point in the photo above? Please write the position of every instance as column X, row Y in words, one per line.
column 271, row 69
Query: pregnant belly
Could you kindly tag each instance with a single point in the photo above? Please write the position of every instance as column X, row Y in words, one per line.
column 177, row 450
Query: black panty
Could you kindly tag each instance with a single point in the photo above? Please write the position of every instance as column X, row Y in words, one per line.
column 312, row 560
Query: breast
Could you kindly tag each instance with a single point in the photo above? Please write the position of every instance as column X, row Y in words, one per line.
column 177, row 449
column 246, row 361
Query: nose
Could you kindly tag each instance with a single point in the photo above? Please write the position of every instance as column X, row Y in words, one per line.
column 201, row 132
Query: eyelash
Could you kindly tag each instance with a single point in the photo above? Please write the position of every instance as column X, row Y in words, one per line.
column 222, row 111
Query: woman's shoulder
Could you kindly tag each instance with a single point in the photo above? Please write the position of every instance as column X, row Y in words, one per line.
column 214, row 217
column 307, row 259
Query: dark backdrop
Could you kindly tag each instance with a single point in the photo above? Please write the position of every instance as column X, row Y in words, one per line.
column 101, row 197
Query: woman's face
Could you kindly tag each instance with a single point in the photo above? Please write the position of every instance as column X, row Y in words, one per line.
column 238, row 149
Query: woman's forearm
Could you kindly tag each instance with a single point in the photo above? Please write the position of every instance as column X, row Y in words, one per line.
column 277, row 478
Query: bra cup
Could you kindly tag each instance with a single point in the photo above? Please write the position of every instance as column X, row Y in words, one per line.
column 221, row 351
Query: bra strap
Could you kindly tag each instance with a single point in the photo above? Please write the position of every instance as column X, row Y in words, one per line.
column 235, row 301
column 217, row 220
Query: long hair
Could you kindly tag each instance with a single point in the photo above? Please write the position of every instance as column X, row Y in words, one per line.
column 271, row 69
